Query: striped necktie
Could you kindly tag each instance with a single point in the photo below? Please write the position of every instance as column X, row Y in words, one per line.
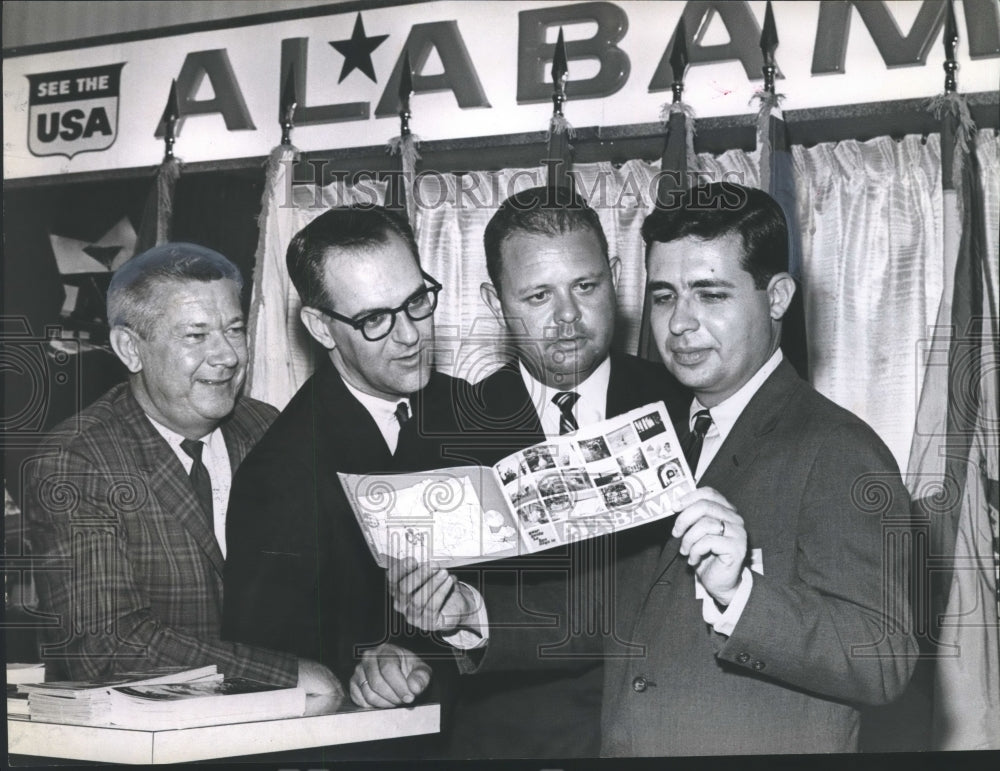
column 565, row 400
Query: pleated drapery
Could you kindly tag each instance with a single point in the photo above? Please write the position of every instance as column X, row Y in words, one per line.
column 870, row 214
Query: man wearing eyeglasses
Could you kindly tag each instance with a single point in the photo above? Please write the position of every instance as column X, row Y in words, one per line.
column 299, row 574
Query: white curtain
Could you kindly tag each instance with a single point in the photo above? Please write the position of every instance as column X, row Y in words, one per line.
column 870, row 215
column 282, row 355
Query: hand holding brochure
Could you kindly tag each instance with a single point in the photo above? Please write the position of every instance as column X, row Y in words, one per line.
column 611, row 476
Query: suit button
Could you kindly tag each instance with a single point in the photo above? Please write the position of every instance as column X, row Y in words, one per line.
column 742, row 658
column 758, row 666
column 639, row 684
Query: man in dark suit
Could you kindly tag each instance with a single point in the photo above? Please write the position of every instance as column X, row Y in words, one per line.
column 126, row 504
column 552, row 288
column 299, row 576
column 777, row 605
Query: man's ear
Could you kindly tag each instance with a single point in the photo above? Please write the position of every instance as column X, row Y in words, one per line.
column 489, row 294
column 780, row 290
column 616, row 270
column 125, row 344
column 315, row 324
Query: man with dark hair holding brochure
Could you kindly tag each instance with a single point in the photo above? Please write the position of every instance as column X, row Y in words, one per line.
column 552, row 287
column 299, row 575
column 776, row 605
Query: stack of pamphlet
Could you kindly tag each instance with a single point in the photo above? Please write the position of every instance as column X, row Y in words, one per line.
column 89, row 703
column 187, row 705
column 17, row 703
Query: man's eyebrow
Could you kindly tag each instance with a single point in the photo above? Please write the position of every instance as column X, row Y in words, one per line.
column 385, row 309
column 701, row 283
column 709, row 283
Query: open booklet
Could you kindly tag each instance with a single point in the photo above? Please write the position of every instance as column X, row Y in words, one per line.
column 610, row 476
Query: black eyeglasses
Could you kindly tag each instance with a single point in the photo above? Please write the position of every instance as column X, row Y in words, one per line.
column 378, row 324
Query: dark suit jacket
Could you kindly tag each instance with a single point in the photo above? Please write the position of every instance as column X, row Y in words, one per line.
column 299, row 575
column 127, row 564
column 826, row 627
column 541, row 714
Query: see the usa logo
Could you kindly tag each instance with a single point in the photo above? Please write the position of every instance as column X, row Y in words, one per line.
column 73, row 111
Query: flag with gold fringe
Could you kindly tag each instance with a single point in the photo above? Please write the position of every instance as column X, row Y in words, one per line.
column 953, row 468
column 157, row 214
column 281, row 355
column 676, row 164
column 777, row 178
column 399, row 193
column 559, row 152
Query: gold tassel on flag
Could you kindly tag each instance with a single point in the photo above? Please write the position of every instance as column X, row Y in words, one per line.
column 667, row 111
column 769, row 102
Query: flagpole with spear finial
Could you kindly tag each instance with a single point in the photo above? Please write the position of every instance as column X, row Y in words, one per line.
column 952, row 110
column 559, row 158
column 171, row 112
column 406, row 146
column 678, row 157
column 777, row 178
column 288, row 102
column 768, row 99
column 158, row 211
column 678, row 121
column 279, row 360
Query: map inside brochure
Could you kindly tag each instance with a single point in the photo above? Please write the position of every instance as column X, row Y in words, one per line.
column 609, row 476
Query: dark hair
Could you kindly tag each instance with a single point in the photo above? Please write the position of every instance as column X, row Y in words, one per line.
column 546, row 211
column 131, row 294
column 713, row 211
column 359, row 226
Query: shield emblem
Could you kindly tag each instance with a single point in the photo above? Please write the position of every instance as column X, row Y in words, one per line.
column 73, row 111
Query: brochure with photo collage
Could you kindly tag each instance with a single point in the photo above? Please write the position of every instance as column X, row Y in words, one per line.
column 610, row 476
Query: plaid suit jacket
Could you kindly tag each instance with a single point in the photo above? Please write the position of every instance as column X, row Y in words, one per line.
column 129, row 574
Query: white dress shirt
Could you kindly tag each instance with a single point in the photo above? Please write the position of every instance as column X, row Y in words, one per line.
column 724, row 417
column 589, row 408
column 215, row 458
column 383, row 412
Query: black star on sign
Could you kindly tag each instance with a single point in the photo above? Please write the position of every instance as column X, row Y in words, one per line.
column 358, row 51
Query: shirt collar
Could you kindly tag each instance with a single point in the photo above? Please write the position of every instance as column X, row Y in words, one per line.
column 726, row 413
column 382, row 410
column 174, row 439
column 593, row 392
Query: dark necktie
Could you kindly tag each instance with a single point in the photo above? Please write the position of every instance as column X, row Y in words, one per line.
column 402, row 413
column 694, row 440
column 200, row 479
column 565, row 400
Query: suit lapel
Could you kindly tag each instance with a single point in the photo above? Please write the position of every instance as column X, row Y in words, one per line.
column 737, row 454
column 512, row 400
column 169, row 485
column 347, row 432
